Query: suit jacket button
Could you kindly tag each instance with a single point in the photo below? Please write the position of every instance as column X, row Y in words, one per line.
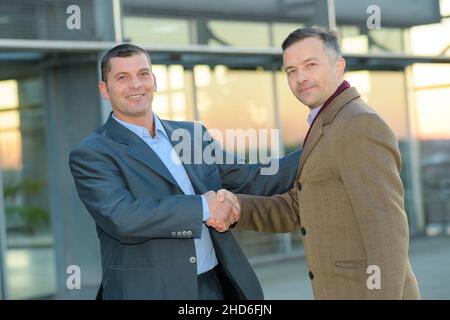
column 179, row 233
column 184, row 233
column 303, row 230
column 189, row 233
column 311, row 275
column 174, row 234
column 192, row 259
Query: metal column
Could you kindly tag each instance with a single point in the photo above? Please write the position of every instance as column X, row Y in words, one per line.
column 3, row 289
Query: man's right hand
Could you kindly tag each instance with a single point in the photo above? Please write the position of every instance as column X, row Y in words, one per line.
column 222, row 214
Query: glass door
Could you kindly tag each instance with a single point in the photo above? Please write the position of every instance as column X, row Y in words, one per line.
column 29, row 256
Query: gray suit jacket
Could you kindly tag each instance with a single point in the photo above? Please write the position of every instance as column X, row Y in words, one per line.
column 146, row 224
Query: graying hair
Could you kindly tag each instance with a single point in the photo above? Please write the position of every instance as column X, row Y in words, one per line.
column 328, row 37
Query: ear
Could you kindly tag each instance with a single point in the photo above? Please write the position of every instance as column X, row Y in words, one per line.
column 340, row 67
column 103, row 88
column 154, row 82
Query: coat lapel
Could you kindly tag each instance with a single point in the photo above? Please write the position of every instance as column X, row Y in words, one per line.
column 313, row 139
column 338, row 103
column 323, row 119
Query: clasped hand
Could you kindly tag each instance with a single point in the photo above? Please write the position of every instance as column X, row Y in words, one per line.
column 224, row 209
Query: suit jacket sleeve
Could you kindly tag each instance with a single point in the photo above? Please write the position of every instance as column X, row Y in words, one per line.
column 240, row 177
column 278, row 213
column 104, row 192
column 369, row 164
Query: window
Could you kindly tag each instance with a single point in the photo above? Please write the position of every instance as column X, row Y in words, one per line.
column 30, row 265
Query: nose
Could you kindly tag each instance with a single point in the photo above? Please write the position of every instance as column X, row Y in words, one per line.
column 301, row 77
column 135, row 83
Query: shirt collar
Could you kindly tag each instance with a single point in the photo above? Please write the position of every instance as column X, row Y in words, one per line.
column 141, row 131
column 313, row 114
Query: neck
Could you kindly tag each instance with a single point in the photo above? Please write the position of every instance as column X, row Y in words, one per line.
column 145, row 121
column 341, row 86
column 312, row 108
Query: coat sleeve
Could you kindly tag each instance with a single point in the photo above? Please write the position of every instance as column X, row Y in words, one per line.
column 103, row 190
column 278, row 213
column 369, row 163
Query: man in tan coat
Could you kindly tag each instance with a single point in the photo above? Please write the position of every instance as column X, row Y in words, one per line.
column 348, row 198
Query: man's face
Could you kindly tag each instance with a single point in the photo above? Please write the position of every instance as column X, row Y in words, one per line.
column 130, row 86
column 312, row 71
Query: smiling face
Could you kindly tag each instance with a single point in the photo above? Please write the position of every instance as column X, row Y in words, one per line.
column 313, row 71
column 130, row 86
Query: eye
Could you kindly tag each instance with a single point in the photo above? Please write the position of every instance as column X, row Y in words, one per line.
column 310, row 65
column 145, row 74
column 120, row 78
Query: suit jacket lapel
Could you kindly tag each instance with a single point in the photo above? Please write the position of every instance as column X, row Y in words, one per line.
column 137, row 148
column 190, row 167
column 143, row 153
column 198, row 186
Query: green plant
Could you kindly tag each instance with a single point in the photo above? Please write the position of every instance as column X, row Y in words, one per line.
column 31, row 216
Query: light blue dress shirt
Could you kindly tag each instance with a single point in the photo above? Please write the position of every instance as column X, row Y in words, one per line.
column 161, row 145
column 313, row 114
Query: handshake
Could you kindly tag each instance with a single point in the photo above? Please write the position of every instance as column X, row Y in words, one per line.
column 224, row 209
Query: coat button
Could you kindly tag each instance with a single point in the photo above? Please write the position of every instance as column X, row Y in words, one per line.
column 189, row 233
column 184, row 233
column 174, row 234
column 303, row 230
column 311, row 275
column 192, row 259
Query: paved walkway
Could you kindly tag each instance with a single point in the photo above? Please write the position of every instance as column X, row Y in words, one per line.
column 430, row 260
column 288, row 279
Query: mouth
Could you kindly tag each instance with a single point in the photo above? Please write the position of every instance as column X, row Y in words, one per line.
column 135, row 96
column 303, row 90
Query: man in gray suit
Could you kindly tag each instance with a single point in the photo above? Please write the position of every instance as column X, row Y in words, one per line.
column 154, row 215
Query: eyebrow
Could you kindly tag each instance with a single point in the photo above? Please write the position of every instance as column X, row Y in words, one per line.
column 310, row 59
column 123, row 72
column 303, row 62
column 119, row 73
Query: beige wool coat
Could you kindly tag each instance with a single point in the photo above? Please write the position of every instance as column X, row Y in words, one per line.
column 348, row 202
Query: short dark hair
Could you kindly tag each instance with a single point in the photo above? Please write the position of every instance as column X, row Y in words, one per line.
column 122, row 50
column 329, row 38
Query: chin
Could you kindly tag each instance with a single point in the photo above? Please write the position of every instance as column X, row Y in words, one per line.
column 306, row 102
column 140, row 107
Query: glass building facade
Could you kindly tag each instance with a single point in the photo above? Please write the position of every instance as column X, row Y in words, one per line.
column 216, row 62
